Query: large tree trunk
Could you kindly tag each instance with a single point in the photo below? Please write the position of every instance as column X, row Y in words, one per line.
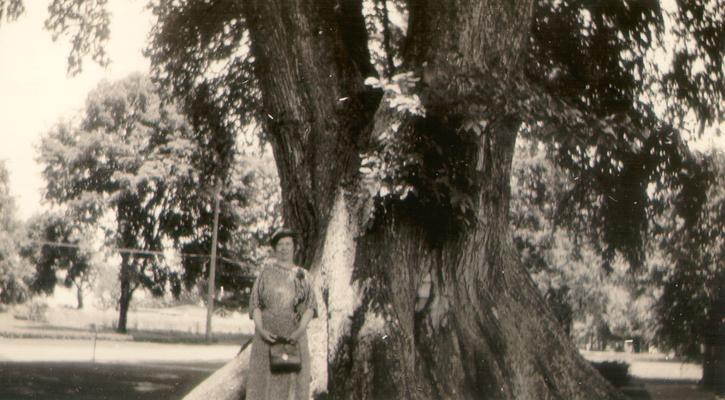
column 419, row 303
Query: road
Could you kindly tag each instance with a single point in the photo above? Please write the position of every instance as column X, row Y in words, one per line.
column 104, row 351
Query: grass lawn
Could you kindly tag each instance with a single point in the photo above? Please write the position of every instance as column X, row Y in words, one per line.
column 654, row 376
column 181, row 324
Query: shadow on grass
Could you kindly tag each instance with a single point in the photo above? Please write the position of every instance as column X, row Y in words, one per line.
column 98, row 381
column 674, row 389
column 617, row 373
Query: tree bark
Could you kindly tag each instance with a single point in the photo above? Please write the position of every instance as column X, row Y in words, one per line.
column 713, row 365
column 419, row 304
column 79, row 295
column 124, row 301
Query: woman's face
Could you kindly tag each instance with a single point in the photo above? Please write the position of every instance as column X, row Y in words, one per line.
column 285, row 249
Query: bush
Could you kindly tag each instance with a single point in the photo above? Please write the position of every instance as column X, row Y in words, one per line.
column 35, row 310
column 13, row 290
column 616, row 372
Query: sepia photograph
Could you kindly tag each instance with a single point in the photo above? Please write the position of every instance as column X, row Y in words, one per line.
column 362, row 199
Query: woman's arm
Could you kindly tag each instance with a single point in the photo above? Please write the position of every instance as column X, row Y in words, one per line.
column 302, row 327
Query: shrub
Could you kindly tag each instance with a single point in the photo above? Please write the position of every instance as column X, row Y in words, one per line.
column 13, row 289
column 616, row 372
column 35, row 310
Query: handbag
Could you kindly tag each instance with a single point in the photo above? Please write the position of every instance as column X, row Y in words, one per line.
column 284, row 357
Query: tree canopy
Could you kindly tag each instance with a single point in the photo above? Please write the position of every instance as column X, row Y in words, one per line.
column 56, row 244
column 133, row 157
column 121, row 157
column 138, row 159
column 596, row 91
column 593, row 304
column 691, row 271
column 612, row 86
column 14, row 273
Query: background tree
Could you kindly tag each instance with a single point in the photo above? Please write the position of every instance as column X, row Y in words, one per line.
column 599, row 305
column 11, row 9
column 152, row 169
column 691, row 308
column 249, row 214
column 56, row 245
column 14, row 273
column 116, row 160
column 409, row 184
column 249, row 247
column 673, row 302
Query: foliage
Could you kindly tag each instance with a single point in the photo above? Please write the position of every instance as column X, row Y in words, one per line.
column 671, row 302
column 34, row 310
column 592, row 90
column 385, row 34
column 106, row 290
column 49, row 259
column 200, row 58
column 388, row 161
column 139, row 159
column 249, row 214
column 13, row 278
column 591, row 303
column 124, row 156
column 616, row 372
column 11, row 9
column 14, row 272
column 601, row 60
column 691, row 272
column 212, row 78
column 86, row 24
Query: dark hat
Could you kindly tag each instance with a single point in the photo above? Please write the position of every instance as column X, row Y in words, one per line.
column 281, row 233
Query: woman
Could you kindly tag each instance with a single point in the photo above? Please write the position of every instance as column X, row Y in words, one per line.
column 282, row 304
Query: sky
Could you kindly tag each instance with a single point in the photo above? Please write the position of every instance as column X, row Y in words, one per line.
column 36, row 92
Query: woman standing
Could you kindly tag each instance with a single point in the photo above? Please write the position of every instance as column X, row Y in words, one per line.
column 282, row 304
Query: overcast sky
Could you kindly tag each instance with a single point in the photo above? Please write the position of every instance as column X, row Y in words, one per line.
column 35, row 91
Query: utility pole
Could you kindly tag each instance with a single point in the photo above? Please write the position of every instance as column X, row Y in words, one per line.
column 212, row 266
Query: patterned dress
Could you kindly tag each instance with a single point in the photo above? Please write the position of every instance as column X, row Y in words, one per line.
column 283, row 295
